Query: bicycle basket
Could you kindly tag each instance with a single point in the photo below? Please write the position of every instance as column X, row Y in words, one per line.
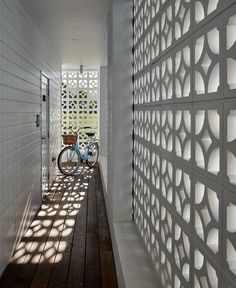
column 69, row 139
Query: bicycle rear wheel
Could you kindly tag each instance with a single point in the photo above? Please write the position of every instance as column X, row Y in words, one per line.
column 93, row 153
column 68, row 161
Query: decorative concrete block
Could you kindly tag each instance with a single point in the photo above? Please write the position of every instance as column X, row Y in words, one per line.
column 229, row 138
column 182, row 18
column 166, row 229
column 207, row 215
column 167, row 83
column 183, row 133
column 183, row 194
column 207, row 83
column 229, row 235
column 229, row 51
column 142, row 158
column 147, row 48
column 138, row 57
column 167, row 28
column 155, row 39
column 167, row 125
column 142, row 89
column 207, row 139
column 156, row 170
column 156, row 83
column 167, row 179
column 182, row 260
column 183, row 73
column 205, row 10
column 138, row 23
column 156, row 127
column 205, row 273
column 166, row 271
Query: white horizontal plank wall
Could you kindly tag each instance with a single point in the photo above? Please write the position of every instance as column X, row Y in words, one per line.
column 23, row 54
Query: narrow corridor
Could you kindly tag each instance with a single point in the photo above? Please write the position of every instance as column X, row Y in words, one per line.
column 68, row 243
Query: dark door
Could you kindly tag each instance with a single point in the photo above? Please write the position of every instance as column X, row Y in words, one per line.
column 45, row 133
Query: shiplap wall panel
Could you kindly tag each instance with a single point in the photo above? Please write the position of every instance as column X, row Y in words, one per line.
column 184, row 139
column 23, row 54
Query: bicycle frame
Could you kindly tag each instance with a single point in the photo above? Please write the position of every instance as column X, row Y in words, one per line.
column 82, row 152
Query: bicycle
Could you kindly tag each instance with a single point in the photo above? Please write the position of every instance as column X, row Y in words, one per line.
column 72, row 156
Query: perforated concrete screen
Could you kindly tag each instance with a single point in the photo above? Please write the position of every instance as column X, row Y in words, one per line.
column 185, row 139
column 80, row 101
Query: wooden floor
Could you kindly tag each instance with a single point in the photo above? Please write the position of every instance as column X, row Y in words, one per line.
column 68, row 243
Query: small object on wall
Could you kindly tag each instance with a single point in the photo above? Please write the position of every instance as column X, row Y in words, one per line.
column 81, row 69
column 37, row 120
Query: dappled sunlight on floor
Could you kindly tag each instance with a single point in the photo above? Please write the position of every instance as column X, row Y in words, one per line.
column 49, row 235
column 68, row 243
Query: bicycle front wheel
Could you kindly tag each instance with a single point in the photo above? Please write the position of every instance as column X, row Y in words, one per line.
column 68, row 161
column 93, row 153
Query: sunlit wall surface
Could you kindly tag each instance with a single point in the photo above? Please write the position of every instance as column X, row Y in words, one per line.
column 185, row 139
column 24, row 53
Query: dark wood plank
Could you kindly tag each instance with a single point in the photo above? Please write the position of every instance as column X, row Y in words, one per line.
column 109, row 279
column 92, row 260
column 75, row 277
column 12, row 276
column 20, row 275
column 52, row 243
column 60, row 270
column 108, row 273
column 8, row 277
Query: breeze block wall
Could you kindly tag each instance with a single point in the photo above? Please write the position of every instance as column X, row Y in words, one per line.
column 184, row 173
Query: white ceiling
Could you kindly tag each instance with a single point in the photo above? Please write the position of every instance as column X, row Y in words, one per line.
column 64, row 20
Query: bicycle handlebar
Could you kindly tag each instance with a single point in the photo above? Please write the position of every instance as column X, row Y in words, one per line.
column 86, row 127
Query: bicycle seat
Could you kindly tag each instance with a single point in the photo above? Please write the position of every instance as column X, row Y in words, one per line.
column 90, row 134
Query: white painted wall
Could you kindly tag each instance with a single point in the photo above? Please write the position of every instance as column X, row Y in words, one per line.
column 116, row 160
column 120, row 110
column 103, row 123
column 133, row 265
column 23, row 54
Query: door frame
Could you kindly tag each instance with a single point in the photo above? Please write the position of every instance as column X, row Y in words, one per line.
column 44, row 75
